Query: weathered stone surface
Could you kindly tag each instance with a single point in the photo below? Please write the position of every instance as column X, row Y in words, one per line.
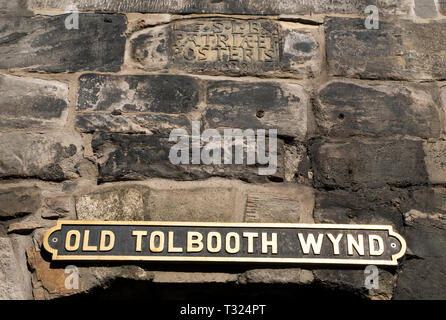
column 425, row 233
column 229, row 46
column 192, row 203
column 422, row 279
column 14, row 8
column 52, row 156
column 442, row 7
column 28, row 102
column 296, row 276
column 366, row 206
column 297, row 164
column 12, row 282
column 138, row 157
column 371, row 164
column 98, row 44
column 228, row 7
column 193, row 277
column 114, row 203
column 49, row 281
column 425, row 9
column 346, row 109
column 257, row 105
column 436, row 161
column 283, row 203
column 232, row 201
column 25, row 227
column 171, row 94
column 397, row 50
column 18, row 201
column 353, row 280
column 56, row 207
column 428, row 199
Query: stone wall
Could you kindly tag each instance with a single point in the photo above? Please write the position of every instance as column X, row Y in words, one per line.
column 85, row 116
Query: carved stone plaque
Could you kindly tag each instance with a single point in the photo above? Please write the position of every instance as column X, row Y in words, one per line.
column 225, row 45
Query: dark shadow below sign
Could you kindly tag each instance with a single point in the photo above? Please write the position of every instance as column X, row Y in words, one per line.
column 224, row 242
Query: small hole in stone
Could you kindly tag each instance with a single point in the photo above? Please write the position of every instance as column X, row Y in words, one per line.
column 350, row 171
column 116, row 112
column 260, row 114
column 341, row 116
column 108, row 20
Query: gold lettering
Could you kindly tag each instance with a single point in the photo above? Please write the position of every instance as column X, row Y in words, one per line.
column 311, row 243
column 269, row 243
column 170, row 246
column 85, row 245
column 139, row 235
column 217, row 237
column 111, row 240
column 236, row 247
column 335, row 242
column 194, row 241
column 77, row 239
column 359, row 245
column 250, row 236
column 373, row 250
column 152, row 243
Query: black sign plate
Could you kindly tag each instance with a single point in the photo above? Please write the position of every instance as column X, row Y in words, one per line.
column 224, row 242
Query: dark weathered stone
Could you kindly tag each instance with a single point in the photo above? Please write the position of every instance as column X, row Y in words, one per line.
column 52, row 156
column 368, row 164
column 397, row 50
column 366, row 206
column 170, row 94
column 230, row 47
column 228, row 7
column 346, row 109
column 138, row 157
column 257, row 105
column 18, row 202
column 436, row 161
column 133, row 123
column 422, row 279
column 98, row 44
column 27, row 102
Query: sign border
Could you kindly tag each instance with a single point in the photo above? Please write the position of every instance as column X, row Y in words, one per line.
column 393, row 262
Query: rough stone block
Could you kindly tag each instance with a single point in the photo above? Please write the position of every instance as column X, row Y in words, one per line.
column 19, row 201
column 28, row 102
column 397, row 50
column 12, row 281
column 114, row 203
column 435, row 159
column 366, row 206
column 138, row 157
column 276, row 276
column 422, row 279
column 136, row 104
column 51, row 156
column 425, row 9
column 254, row 7
column 42, row 43
column 346, row 109
column 230, row 47
column 370, row 164
column 257, row 105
